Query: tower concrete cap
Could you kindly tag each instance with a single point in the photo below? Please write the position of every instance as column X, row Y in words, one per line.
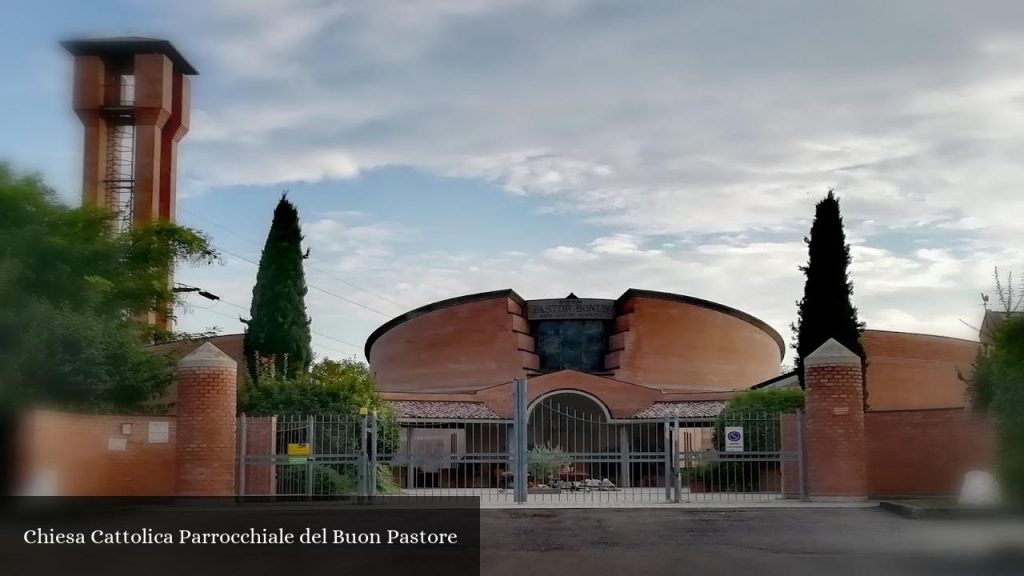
column 129, row 46
column 832, row 353
column 207, row 356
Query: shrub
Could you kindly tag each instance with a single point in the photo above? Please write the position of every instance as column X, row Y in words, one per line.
column 545, row 459
column 329, row 388
column 331, row 480
column 758, row 412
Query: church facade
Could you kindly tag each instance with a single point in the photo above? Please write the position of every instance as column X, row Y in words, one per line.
column 644, row 354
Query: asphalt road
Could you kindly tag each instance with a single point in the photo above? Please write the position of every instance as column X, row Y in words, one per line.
column 755, row 542
column 522, row 542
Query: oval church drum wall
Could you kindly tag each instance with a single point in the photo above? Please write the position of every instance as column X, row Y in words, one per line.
column 456, row 345
column 656, row 339
column 680, row 343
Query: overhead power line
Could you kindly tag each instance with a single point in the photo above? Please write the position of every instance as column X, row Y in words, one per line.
column 314, row 332
column 317, row 288
column 308, row 266
column 322, row 335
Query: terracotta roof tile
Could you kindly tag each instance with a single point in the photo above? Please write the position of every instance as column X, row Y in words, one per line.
column 435, row 409
column 691, row 409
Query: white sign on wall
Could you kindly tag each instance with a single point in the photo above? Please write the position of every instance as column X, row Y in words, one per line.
column 734, row 438
column 159, row 432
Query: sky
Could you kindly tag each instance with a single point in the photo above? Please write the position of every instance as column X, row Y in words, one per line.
column 441, row 148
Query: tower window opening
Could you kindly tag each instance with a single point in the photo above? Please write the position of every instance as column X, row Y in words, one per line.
column 126, row 90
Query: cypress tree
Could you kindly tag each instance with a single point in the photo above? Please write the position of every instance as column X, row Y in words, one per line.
column 826, row 310
column 279, row 328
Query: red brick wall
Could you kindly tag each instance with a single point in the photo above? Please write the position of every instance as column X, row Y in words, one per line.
column 925, row 452
column 206, row 430
column 115, row 455
column 915, row 371
column 71, row 451
column 835, row 439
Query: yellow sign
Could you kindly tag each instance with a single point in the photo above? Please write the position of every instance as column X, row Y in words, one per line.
column 298, row 449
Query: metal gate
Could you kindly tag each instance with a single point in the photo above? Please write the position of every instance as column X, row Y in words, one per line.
column 586, row 457
column 738, row 457
column 562, row 451
column 322, row 457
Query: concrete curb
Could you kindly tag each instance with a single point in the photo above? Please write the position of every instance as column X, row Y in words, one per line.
column 681, row 506
column 917, row 511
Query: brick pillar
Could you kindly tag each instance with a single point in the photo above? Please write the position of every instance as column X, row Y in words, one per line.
column 836, row 452
column 207, row 388
column 261, row 440
column 789, row 425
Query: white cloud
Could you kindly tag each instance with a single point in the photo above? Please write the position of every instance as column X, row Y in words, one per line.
column 620, row 244
column 662, row 123
column 568, row 254
column 333, row 234
column 684, row 117
column 259, row 164
column 707, row 124
column 345, row 242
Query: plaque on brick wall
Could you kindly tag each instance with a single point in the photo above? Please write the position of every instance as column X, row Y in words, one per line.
column 570, row 309
column 159, row 432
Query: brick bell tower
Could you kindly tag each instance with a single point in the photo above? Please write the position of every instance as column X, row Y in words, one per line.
column 132, row 96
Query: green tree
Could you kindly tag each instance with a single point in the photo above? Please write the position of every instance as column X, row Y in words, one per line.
column 1007, row 406
column 338, row 391
column 826, row 309
column 758, row 412
column 771, row 401
column 329, row 387
column 981, row 380
column 279, row 327
column 70, row 291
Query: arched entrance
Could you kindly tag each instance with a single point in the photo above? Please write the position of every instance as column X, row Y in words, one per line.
column 571, row 439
